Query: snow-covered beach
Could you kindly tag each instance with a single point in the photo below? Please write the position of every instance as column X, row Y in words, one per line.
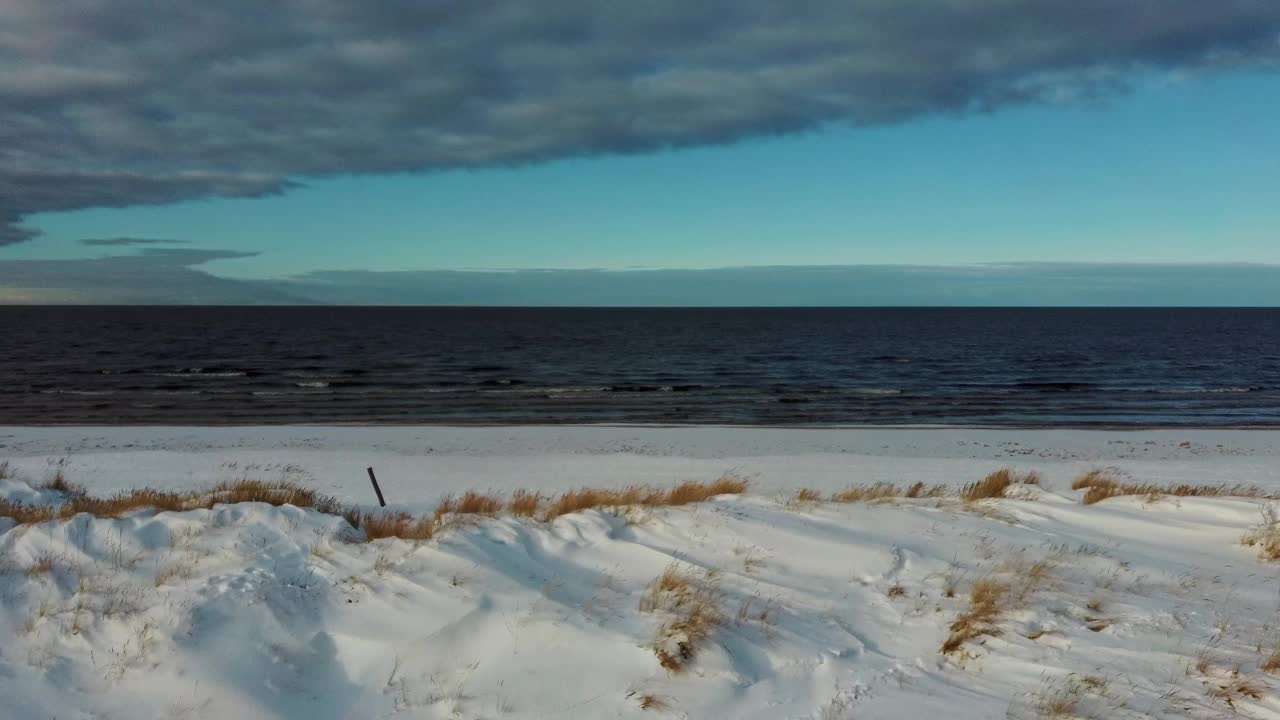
column 1132, row 607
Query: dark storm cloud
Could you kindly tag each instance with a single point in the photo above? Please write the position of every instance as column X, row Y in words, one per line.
column 128, row 241
column 154, row 277
column 141, row 102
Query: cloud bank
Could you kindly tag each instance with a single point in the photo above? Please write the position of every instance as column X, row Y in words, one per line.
column 172, row 276
column 141, row 102
column 157, row 276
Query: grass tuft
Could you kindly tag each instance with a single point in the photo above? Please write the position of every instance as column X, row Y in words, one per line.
column 524, row 503
column 987, row 603
column 807, row 495
column 59, row 483
column 882, row 491
column 1100, row 484
column 643, row 495
column 1265, row 537
column 1271, row 663
column 695, row 606
column 471, row 503
column 997, row 484
column 1103, row 490
column 45, row 564
column 1101, row 477
column 378, row 525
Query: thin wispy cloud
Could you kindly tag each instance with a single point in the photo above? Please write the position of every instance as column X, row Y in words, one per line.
column 136, row 102
column 130, row 242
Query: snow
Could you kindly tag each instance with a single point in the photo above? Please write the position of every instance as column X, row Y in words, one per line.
column 830, row 610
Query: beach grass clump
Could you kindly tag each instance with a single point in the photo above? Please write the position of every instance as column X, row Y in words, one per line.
column 695, row 606
column 882, row 491
column 988, row 601
column 1101, row 484
column 59, row 483
column 26, row 514
column 694, row 492
column 402, row 525
column 524, row 503
column 997, row 484
column 471, row 503
column 806, row 495
column 992, row 597
column 122, row 503
column 685, row 493
column 1266, row 536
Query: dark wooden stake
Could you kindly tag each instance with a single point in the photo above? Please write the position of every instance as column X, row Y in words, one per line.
column 377, row 489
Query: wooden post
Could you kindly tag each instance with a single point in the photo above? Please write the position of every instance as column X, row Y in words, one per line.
column 377, row 489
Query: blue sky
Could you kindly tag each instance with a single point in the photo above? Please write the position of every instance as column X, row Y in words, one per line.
column 718, row 136
column 1179, row 171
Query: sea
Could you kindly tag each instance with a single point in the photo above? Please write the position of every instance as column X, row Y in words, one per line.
column 1026, row 367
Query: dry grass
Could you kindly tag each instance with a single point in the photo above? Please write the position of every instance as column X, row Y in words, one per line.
column 1271, row 663
column 278, row 493
column 987, row 602
column 695, row 604
column 59, row 483
column 1265, row 537
column 997, row 484
column 1061, row 698
column 43, row 565
column 177, row 571
column 1096, row 476
column 643, row 496
column 991, row 598
column 24, row 514
column 652, row 702
column 123, row 503
column 1100, row 484
column 695, row 492
column 882, row 491
column 471, row 503
column 1098, row 493
column 378, row 525
column 524, row 503
column 807, row 495
column 1235, row 688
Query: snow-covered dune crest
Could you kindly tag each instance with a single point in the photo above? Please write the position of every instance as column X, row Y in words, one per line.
column 1131, row 607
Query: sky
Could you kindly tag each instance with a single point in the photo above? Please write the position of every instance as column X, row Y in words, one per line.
column 756, row 152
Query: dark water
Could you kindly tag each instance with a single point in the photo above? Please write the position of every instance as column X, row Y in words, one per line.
column 785, row 366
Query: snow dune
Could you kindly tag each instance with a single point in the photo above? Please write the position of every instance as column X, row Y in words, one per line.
column 1131, row 607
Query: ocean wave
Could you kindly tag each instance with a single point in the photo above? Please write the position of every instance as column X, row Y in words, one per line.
column 202, row 374
column 312, row 384
column 1212, row 391
column 652, row 388
column 1055, row 386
